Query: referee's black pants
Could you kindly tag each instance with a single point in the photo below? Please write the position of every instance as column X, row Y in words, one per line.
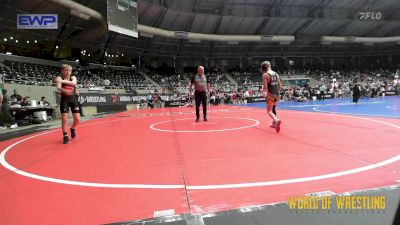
column 201, row 98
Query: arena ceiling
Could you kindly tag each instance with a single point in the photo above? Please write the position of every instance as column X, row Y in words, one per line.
column 307, row 20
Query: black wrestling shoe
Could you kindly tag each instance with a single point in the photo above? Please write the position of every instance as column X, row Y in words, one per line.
column 197, row 120
column 66, row 139
column 205, row 119
column 73, row 133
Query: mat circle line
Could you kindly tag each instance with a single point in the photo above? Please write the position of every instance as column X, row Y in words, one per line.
column 8, row 166
column 153, row 126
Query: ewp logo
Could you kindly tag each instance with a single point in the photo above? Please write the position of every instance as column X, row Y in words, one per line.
column 37, row 21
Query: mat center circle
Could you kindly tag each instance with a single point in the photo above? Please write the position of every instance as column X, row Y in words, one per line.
column 214, row 124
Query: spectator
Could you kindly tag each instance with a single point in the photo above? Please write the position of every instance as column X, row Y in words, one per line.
column 356, row 94
column 5, row 116
column 142, row 104
column 43, row 101
column 156, row 101
column 106, row 82
column 16, row 97
column 1, row 110
column 26, row 101
column 150, row 103
column 1, row 97
column 322, row 90
column 212, row 99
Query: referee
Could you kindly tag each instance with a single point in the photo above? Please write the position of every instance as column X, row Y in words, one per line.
column 200, row 83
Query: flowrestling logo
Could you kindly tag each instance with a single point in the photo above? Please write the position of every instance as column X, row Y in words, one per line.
column 81, row 99
column 37, row 21
column 259, row 99
column 370, row 15
column 92, row 99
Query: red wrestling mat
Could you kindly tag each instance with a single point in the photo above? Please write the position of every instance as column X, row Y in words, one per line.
column 132, row 164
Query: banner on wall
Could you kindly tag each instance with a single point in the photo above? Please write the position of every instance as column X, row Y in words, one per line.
column 95, row 99
column 97, row 89
column 389, row 93
column 176, row 103
column 255, row 99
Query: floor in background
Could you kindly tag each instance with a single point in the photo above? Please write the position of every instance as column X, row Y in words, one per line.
column 376, row 107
